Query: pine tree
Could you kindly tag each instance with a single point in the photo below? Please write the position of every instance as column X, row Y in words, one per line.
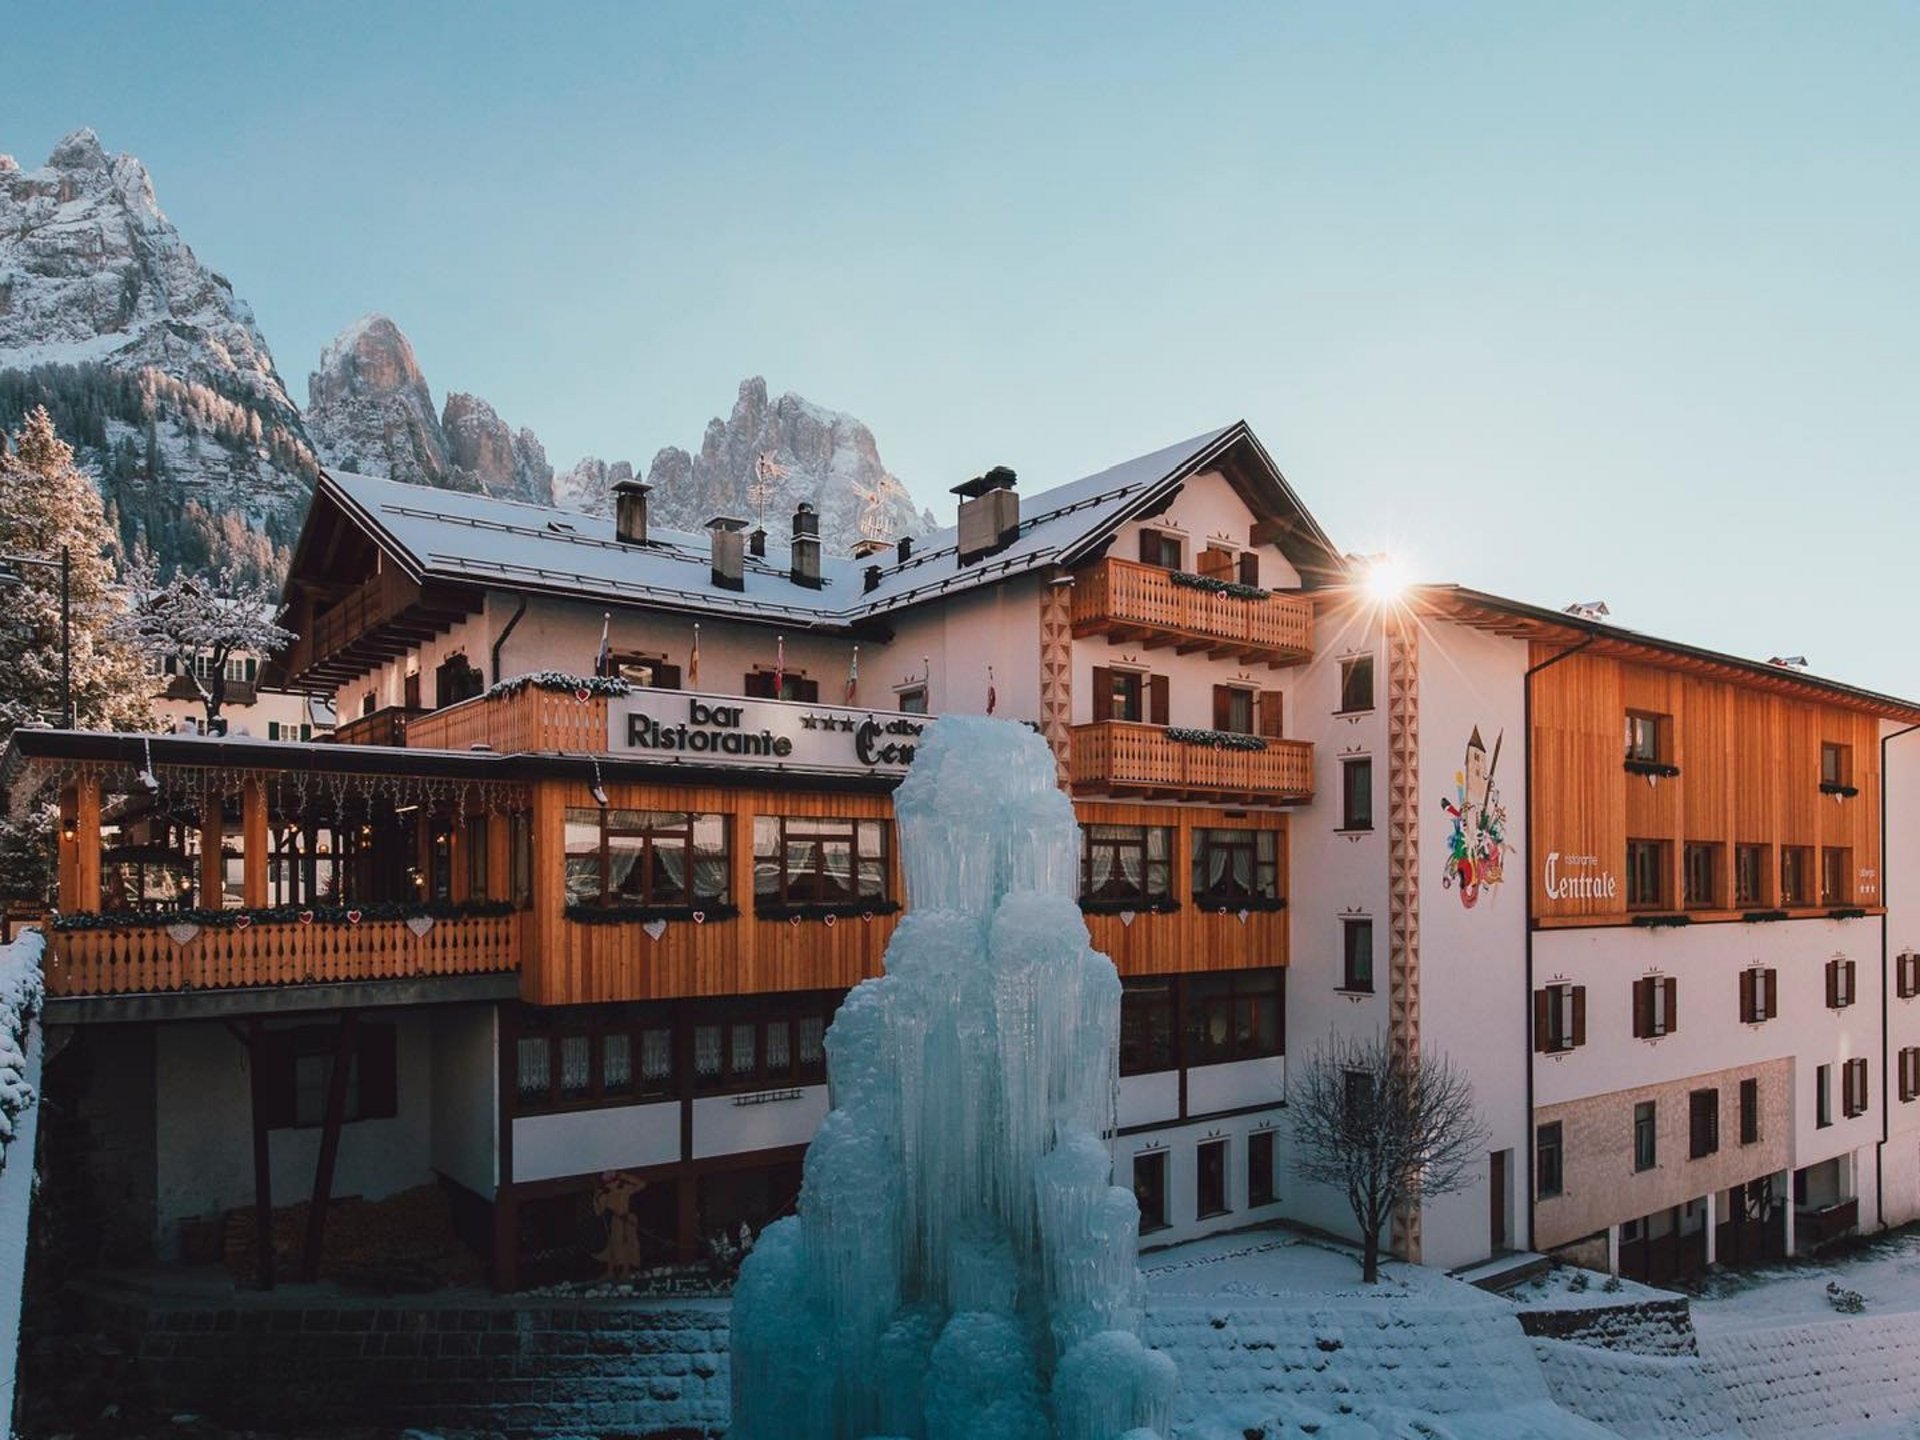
column 47, row 503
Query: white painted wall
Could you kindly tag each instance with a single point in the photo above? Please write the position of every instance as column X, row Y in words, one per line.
column 466, row 1096
column 1900, row 1158
column 1206, row 512
column 585, row 1142
column 999, row 626
column 723, row 1126
column 1182, row 1146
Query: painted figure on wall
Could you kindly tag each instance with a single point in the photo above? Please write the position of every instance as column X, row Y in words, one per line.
column 614, row 1201
column 1476, row 847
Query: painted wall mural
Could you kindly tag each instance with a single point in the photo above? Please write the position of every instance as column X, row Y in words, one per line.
column 1476, row 847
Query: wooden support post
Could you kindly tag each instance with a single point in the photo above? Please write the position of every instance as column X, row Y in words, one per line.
column 262, row 1155
column 499, row 858
column 86, row 841
column 213, row 874
column 336, row 1115
column 253, row 843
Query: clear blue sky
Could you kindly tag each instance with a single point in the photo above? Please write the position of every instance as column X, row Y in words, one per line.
column 1566, row 302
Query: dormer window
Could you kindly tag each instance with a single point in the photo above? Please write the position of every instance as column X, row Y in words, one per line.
column 1159, row 548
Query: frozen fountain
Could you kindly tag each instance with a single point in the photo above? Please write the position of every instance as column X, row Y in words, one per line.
column 962, row 1267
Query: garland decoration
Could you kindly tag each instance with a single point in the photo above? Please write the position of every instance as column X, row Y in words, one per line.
column 823, row 909
column 1149, row 905
column 1847, row 912
column 1254, row 904
column 561, row 683
column 1215, row 739
column 1218, row 586
column 1658, row 768
column 1760, row 917
column 1661, row 922
column 1845, row 792
column 278, row 915
column 700, row 912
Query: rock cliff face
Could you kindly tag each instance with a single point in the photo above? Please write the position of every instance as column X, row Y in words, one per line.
column 811, row 453
column 588, row 486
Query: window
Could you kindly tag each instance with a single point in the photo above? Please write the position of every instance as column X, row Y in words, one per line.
column 1122, row 694
column 1749, row 1112
column 1250, row 568
column 1356, row 794
column 1356, row 1100
column 1146, row 1024
column 1233, row 709
column 1646, row 874
column 747, row 1045
column 1703, row 1123
column 1840, row 986
column 1559, row 1017
column 1853, row 1088
column 1260, row 1183
column 646, row 857
column 1150, row 1189
column 410, row 690
column 1906, row 974
column 1836, row 876
column 912, row 700
column 1646, row 737
column 1910, row 1072
column 759, row 685
column 1130, row 695
column 1233, row 866
column 1210, row 1179
column 1356, row 949
column 1796, row 874
column 648, row 672
column 617, row 1056
column 1702, row 867
column 1655, row 1011
column 1646, row 1136
column 1549, row 1162
column 1759, row 995
column 1836, row 765
column 297, row 1067
column 1822, row 1096
column 1750, row 875
column 808, row 860
column 476, row 848
column 455, row 679
column 1234, row 1015
column 1159, row 548
column 1126, row 864
column 1356, row 684
column 520, row 858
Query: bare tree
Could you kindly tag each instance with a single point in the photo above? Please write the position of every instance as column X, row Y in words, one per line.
column 198, row 624
column 1387, row 1131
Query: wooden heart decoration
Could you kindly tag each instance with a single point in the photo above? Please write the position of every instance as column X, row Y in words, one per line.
column 699, row 917
column 241, row 922
column 1126, row 917
column 306, row 917
column 829, row 919
column 654, row 928
column 353, row 917
column 793, row 919
column 1243, row 917
column 420, row 924
column 583, row 694
column 866, row 915
column 182, row 934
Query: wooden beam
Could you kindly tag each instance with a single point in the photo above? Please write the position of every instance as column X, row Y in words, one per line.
column 262, row 1154
column 213, row 877
column 253, row 842
column 336, row 1115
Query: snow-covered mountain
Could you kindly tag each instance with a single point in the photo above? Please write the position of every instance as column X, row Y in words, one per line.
column 588, row 486
column 814, row 454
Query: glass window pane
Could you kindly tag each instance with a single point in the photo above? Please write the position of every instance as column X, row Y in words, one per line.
column 656, row 1055
column 779, row 1048
column 741, row 1049
column 576, row 1065
column 706, row 1051
column 535, row 1067
column 616, row 1063
column 813, row 1035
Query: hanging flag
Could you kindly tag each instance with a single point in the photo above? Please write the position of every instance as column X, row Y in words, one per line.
column 603, row 661
column 993, row 697
column 779, row 667
column 853, row 678
column 693, row 660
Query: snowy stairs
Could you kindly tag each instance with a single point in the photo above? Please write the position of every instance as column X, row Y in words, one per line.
column 1804, row 1379
column 1657, row 1397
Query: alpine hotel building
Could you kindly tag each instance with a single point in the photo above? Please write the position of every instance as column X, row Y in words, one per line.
column 557, row 921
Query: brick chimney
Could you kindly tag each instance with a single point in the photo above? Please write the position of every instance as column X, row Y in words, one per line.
column 757, row 542
column 866, row 546
column 903, row 552
column 630, row 512
column 806, row 547
column 729, row 562
column 989, row 513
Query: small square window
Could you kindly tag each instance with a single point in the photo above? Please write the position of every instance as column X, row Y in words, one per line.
column 1549, row 1161
column 1646, row 1136
column 1836, row 764
column 1356, row 684
column 1261, row 1189
column 1356, row 944
column 1646, row 737
column 1702, row 875
column 1356, row 794
column 1750, row 875
column 1150, row 1189
column 1210, row 1179
column 1646, row 874
column 1796, row 875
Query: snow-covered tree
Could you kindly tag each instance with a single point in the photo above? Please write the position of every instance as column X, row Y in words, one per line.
column 194, row 625
column 47, row 503
column 1383, row 1130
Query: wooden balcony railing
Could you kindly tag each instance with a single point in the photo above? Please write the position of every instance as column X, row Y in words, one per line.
column 373, row 602
column 1814, row 1228
column 1142, row 605
column 147, row 959
column 528, row 720
column 382, row 727
column 1118, row 757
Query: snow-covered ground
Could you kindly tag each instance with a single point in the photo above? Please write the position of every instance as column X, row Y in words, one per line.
column 20, row 1056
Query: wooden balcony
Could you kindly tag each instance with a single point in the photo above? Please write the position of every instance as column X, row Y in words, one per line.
column 1117, row 757
column 147, row 959
column 385, row 616
column 527, row 721
column 1135, row 604
column 383, row 727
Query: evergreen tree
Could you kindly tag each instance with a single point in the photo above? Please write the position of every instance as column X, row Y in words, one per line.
column 47, row 503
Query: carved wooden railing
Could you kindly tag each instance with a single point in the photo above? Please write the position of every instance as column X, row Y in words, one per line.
column 531, row 719
column 383, row 727
column 147, row 959
column 1126, row 596
column 1118, row 755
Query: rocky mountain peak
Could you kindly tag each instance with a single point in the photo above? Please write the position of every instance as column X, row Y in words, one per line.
column 81, row 150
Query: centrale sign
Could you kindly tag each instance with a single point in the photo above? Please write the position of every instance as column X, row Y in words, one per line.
column 730, row 730
column 1577, row 877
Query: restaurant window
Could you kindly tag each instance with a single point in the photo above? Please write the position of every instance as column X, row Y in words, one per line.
column 646, row 857
column 1655, row 1006
column 620, row 1056
column 1646, row 874
column 1702, row 874
column 1836, row 764
column 1646, row 1136
column 1146, row 1024
column 1234, row 866
column 1261, row 1188
column 1759, row 994
column 1822, row 1096
column 1749, row 875
column 1703, row 1123
column 1210, row 1179
column 1796, row 875
column 1853, row 1082
column 759, row 685
column 1150, row 1189
column 476, row 846
column 454, row 680
column 520, row 858
column 646, row 672
column 1356, row 684
column 1559, row 1017
column 747, row 1045
column 1549, row 1167
column 1160, row 549
column 1233, row 709
column 1119, row 698
column 1126, row 864
column 1836, row 875
column 1840, row 983
column 297, row 1068
column 149, row 853
column 1749, row 1112
column 912, row 700
column 1356, row 794
column 1356, row 950
column 809, row 860
column 1234, row 1015
column 1646, row 737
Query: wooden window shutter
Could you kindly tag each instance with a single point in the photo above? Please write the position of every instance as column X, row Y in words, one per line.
column 379, row 1072
column 1149, row 547
column 807, row 690
column 1642, row 1009
column 1272, row 704
column 1250, row 569
column 1157, row 686
column 1833, row 985
column 1852, row 978
column 1541, row 999
column 1579, row 1015
column 665, row 676
column 1773, row 992
column 1216, row 563
column 1673, row 1004
column 1102, row 694
column 1222, row 707
column 1749, row 1003
column 759, row 684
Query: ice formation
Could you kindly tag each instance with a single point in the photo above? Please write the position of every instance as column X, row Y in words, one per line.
column 962, row 1267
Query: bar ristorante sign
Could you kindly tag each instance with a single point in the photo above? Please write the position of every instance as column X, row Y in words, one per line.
column 729, row 730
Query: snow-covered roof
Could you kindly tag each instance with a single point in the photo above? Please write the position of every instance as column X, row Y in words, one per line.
column 470, row 539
